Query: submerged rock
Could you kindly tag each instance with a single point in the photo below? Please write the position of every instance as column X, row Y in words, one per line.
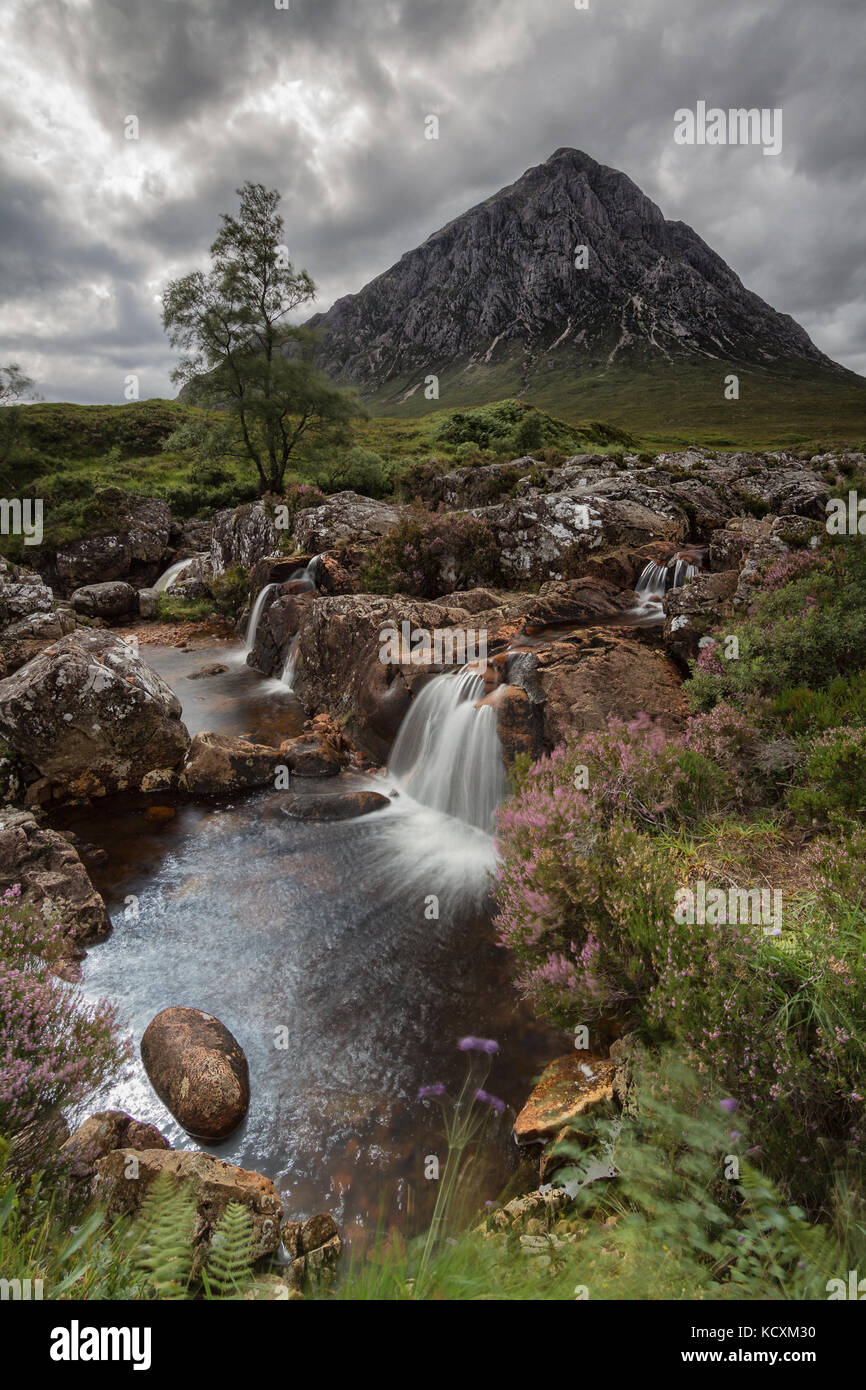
column 214, row 1183
column 198, row 1070
column 334, row 805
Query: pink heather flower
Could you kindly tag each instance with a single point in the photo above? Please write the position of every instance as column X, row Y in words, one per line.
column 730, row 1105
column 471, row 1044
column 425, row 1092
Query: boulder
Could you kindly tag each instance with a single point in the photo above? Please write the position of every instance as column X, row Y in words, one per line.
column 91, row 716
column 346, row 518
column 314, row 1247
column 243, row 535
column 132, row 545
column 334, row 806
column 692, row 610
column 214, row 1183
column 103, row 1132
column 30, row 617
column 572, row 1086
column 198, row 1070
column 52, row 877
column 112, row 599
column 218, row 763
column 148, row 602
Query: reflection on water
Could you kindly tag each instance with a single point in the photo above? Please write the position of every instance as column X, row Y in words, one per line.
column 318, row 946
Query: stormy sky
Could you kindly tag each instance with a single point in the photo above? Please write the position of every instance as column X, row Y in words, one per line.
column 326, row 100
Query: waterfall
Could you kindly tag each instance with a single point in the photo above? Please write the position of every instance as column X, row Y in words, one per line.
column 447, row 753
column 654, row 581
column 255, row 617
column 166, row 580
column 308, row 575
column 291, row 666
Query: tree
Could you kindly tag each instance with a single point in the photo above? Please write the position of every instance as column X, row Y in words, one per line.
column 241, row 353
column 15, row 387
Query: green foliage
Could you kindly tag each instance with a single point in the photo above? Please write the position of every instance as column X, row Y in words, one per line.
column 171, row 608
column 831, row 782
column 507, row 427
column 429, row 553
column 230, row 590
column 241, row 353
column 162, row 1238
column 356, row 470
column 230, row 1259
column 802, row 710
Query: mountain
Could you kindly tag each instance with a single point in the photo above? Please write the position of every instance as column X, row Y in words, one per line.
column 494, row 306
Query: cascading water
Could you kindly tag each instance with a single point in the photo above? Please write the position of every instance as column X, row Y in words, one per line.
column 653, row 584
column 255, row 617
column 166, row 580
column 447, row 753
column 291, row 666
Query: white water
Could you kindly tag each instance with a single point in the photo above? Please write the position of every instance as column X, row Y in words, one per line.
column 171, row 574
column 288, row 676
column 654, row 582
column 255, row 618
column 447, row 753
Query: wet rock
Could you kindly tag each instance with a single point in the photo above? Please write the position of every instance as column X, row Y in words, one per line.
column 213, row 668
column 518, row 723
column 214, row 1183
column 315, row 1247
column 198, row 1070
column 334, row 806
column 572, row 1086
column 91, row 716
column 52, row 877
column 219, row 763
column 112, row 599
column 103, row 1132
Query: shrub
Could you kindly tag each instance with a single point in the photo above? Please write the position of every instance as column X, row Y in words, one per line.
column 357, row 470
column 230, row 590
column 430, row 552
column 832, row 779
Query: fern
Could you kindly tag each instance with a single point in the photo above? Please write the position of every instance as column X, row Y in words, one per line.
column 163, row 1249
column 230, row 1260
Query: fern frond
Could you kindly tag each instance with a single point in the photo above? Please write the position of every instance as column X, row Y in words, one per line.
column 230, row 1260
column 163, row 1250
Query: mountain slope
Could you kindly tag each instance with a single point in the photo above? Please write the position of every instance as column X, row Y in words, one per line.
column 494, row 305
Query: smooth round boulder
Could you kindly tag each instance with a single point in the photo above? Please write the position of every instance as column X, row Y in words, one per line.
column 113, row 599
column 198, row 1070
column 334, row 806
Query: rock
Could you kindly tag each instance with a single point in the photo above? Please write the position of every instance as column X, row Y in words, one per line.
column 52, row 877
column 218, row 763
column 314, row 1246
column 243, row 535
column 132, row 546
column 91, row 716
column 518, row 723
column 346, row 518
column 148, row 602
column 692, row 610
column 319, row 752
column 198, row 1070
column 572, row 1086
column 30, row 618
column 334, row 805
column 213, row 668
column 112, row 599
column 278, row 624
column 103, row 1132
column 214, row 1183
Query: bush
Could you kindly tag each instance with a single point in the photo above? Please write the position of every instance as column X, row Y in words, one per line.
column 832, row 779
column 230, row 590
column 431, row 552
column 358, row 470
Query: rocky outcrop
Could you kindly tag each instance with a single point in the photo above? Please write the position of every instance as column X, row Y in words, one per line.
column 112, row 599
column 243, row 535
column 52, row 877
column 132, row 544
column 100, row 1134
column 198, row 1070
column 215, row 1184
column 694, row 609
column 30, row 617
column 218, row 763
column 346, row 518
column 314, row 1246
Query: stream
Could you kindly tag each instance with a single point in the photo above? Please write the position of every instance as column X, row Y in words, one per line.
column 314, row 944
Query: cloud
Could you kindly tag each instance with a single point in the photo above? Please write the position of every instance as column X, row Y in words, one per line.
column 326, row 101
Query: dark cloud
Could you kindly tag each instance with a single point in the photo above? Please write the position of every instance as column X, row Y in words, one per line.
column 326, row 101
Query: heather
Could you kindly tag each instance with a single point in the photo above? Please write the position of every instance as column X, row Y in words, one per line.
column 428, row 553
column 56, row 1049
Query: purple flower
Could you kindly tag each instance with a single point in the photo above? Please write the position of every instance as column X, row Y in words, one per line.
column 425, row 1092
column 493, row 1101
column 730, row 1105
column 479, row 1045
